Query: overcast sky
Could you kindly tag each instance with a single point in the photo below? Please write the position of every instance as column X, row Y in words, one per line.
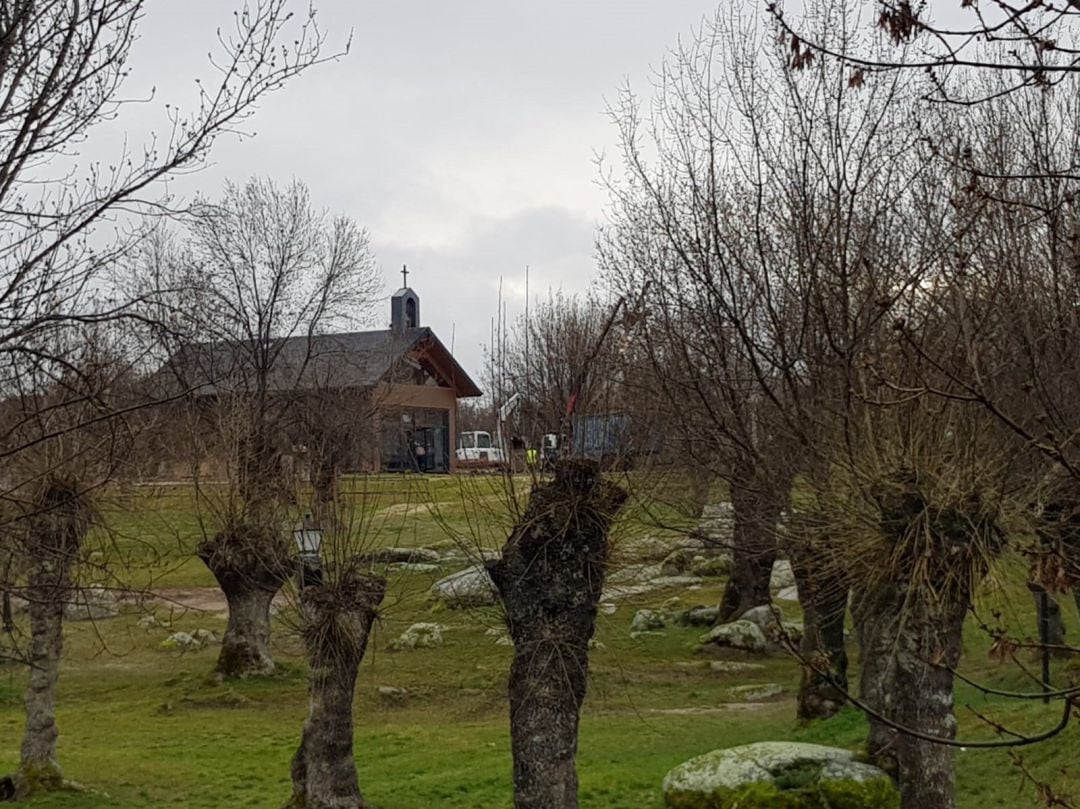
column 462, row 135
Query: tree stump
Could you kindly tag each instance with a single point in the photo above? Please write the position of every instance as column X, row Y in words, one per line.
column 550, row 578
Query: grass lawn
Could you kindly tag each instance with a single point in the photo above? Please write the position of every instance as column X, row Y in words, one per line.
column 141, row 727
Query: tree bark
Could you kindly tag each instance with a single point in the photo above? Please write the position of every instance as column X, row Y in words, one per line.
column 911, row 642
column 823, row 595
column 39, row 769
column 756, row 512
column 245, row 648
column 928, row 650
column 550, row 578
column 337, row 624
column 250, row 564
column 912, row 614
column 55, row 533
column 874, row 609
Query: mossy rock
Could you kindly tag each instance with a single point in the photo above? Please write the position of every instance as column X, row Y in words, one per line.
column 712, row 567
column 646, row 620
column 737, row 635
column 779, row 775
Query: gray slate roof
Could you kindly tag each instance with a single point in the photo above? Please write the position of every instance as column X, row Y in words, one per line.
column 349, row 360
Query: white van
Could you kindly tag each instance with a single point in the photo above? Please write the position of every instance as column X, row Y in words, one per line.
column 476, row 446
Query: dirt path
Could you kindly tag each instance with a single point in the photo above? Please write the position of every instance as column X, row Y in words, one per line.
column 201, row 599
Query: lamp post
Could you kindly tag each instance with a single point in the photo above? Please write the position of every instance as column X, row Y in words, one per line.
column 309, row 537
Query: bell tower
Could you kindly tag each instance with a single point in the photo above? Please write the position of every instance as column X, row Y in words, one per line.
column 404, row 306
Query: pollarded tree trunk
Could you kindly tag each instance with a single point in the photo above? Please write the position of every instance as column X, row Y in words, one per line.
column 875, row 609
column 756, row 513
column 550, row 578
column 55, row 533
column 245, row 648
column 927, row 653
column 38, row 767
column 911, row 643
column 337, row 623
column 912, row 613
column 250, row 564
column 823, row 595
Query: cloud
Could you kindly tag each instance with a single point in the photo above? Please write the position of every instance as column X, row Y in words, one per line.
column 459, row 287
column 462, row 135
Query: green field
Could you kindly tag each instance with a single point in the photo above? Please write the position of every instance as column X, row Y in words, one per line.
column 141, row 727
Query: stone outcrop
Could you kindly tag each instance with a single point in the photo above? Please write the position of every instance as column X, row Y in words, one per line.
column 646, row 620
column 741, row 635
column 792, row 775
column 717, row 528
column 93, row 603
column 756, row 692
column 677, row 563
column 771, row 623
column 699, row 616
column 634, row 580
column 471, row 587
column 419, row 636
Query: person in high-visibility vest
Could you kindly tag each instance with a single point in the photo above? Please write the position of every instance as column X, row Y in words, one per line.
column 532, row 456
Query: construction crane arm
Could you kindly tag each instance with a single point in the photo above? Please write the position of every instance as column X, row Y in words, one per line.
column 507, row 410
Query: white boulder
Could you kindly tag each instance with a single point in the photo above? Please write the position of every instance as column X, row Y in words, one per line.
column 646, row 620
column 737, row 635
column 471, row 587
column 820, row 775
column 788, row 594
column 419, row 636
column 782, row 575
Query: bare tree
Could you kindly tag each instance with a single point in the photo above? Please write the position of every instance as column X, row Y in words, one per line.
column 745, row 229
column 564, row 360
column 1030, row 45
column 269, row 274
column 55, row 531
column 63, row 70
column 544, row 357
column 63, row 74
column 337, row 610
column 769, row 213
column 68, row 413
